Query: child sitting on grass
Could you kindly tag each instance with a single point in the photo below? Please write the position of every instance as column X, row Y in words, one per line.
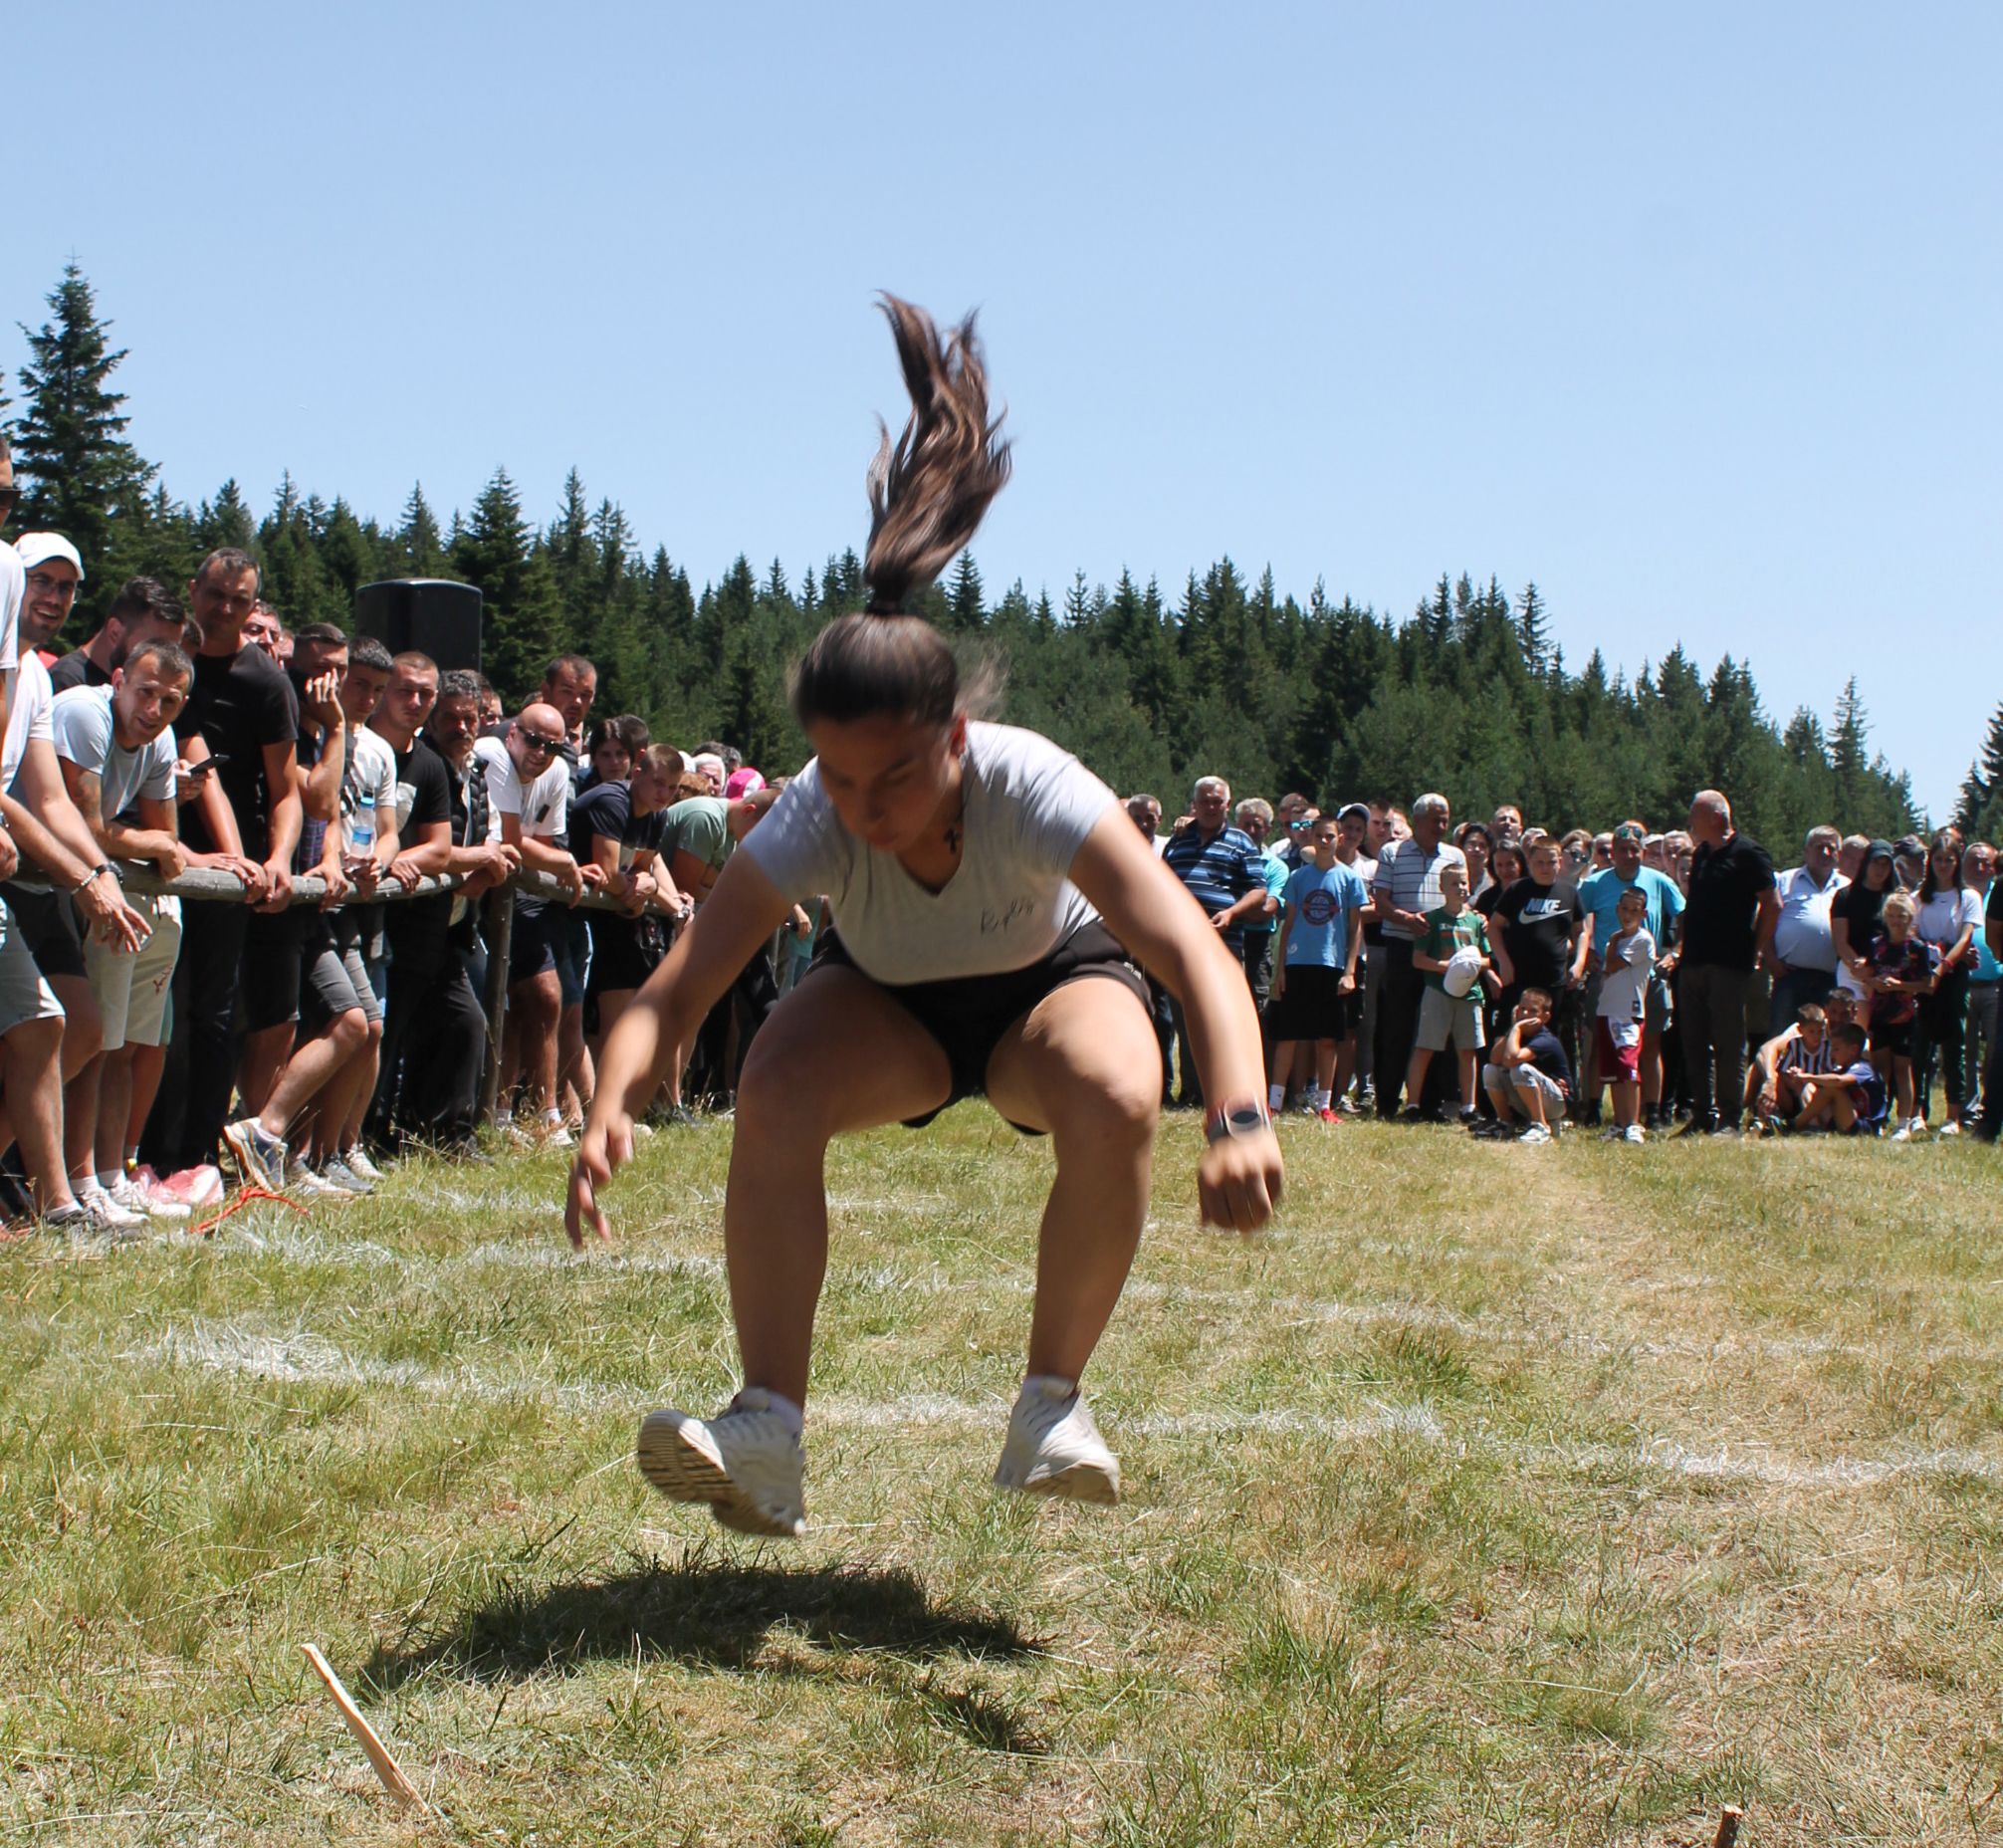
column 1899, row 967
column 1616, row 1028
column 1528, row 1073
column 1851, row 1100
column 1443, row 1018
column 1782, row 1068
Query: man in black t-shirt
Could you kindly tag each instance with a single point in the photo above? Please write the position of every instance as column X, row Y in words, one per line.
column 144, row 611
column 1543, row 939
column 242, row 707
column 434, row 1029
column 1729, row 914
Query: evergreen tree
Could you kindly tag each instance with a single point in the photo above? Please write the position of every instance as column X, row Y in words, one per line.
column 1984, row 781
column 70, row 449
column 522, row 617
column 419, row 550
column 965, row 610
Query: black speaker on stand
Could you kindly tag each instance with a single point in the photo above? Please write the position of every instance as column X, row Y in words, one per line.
column 431, row 615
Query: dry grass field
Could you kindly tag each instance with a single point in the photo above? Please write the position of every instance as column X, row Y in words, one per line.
column 1499, row 1495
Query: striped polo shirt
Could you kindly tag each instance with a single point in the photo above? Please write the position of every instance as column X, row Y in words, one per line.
column 1409, row 878
column 1219, row 871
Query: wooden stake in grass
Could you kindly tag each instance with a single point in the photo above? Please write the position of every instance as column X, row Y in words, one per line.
column 386, row 1767
column 1729, row 1826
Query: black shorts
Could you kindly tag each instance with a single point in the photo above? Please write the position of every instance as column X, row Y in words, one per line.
column 268, row 994
column 624, row 950
column 968, row 1015
column 532, row 943
column 1311, row 1006
column 1894, row 1036
column 47, row 927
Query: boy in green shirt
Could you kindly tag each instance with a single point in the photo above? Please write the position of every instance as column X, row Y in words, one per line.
column 1449, row 1015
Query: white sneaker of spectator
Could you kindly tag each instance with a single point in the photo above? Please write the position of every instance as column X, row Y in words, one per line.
column 356, row 1161
column 77, row 1220
column 261, row 1157
column 342, row 1173
column 100, row 1205
column 303, row 1179
column 1536, row 1136
column 135, row 1199
column 1633, row 1133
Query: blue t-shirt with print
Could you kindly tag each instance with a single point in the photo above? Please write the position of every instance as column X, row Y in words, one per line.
column 1322, row 907
column 1600, row 897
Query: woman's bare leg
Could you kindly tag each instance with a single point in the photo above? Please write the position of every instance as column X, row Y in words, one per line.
column 1083, row 1066
column 837, row 1055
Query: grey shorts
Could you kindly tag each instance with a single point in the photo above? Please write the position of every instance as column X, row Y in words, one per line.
column 1443, row 1019
column 1524, row 1078
column 25, row 993
column 132, row 990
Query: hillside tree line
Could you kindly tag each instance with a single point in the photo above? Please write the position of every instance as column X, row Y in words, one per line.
column 1223, row 674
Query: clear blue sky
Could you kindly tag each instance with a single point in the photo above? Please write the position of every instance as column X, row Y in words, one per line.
column 1688, row 313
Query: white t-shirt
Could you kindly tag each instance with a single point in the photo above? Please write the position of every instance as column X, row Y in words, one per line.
column 1622, row 994
column 1028, row 807
column 13, row 594
column 371, row 771
column 86, row 736
column 1942, row 917
column 545, row 805
column 28, row 703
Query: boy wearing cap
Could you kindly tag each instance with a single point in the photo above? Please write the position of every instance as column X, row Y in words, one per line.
column 1446, row 1017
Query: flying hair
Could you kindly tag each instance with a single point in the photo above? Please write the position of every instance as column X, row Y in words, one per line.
column 927, row 494
column 929, row 490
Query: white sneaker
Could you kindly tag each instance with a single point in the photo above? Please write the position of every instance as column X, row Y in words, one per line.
column 339, row 1171
column 1054, row 1449
column 1633, row 1133
column 358, row 1162
column 259, row 1158
column 747, row 1463
column 77, row 1220
column 134, row 1199
column 106, row 1211
column 1950, row 1128
column 310, row 1184
column 1536, row 1136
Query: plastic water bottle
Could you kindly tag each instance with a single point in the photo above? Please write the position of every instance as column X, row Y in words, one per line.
column 361, row 826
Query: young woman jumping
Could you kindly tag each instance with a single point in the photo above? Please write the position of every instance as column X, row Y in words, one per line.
column 983, row 884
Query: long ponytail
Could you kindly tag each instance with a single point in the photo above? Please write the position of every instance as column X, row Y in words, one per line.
column 927, row 494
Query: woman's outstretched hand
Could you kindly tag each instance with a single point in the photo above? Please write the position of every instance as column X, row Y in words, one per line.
column 605, row 1147
column 1239, row 1181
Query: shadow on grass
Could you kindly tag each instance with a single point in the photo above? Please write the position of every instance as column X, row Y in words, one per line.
column 702, row 1608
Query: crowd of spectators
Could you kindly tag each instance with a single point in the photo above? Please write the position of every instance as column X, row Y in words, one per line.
column 1520, row 980
column 1514, row 978
column 148, row 1041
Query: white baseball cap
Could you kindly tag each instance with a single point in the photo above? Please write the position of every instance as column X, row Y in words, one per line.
column 39, row 547
column 1463, row 970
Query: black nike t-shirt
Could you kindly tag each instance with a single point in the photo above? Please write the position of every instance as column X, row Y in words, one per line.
column 1537, row 923
column 238, row 704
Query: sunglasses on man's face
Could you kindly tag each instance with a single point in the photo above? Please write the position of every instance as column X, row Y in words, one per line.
column 535, row 741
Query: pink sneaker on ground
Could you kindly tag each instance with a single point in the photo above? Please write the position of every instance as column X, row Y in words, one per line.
column 200, row 1186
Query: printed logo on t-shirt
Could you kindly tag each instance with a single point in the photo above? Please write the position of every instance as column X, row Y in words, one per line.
column 1319, row 907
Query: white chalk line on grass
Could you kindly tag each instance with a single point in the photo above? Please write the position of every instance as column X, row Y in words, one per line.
column 294, row 1243
column 299, row 1356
